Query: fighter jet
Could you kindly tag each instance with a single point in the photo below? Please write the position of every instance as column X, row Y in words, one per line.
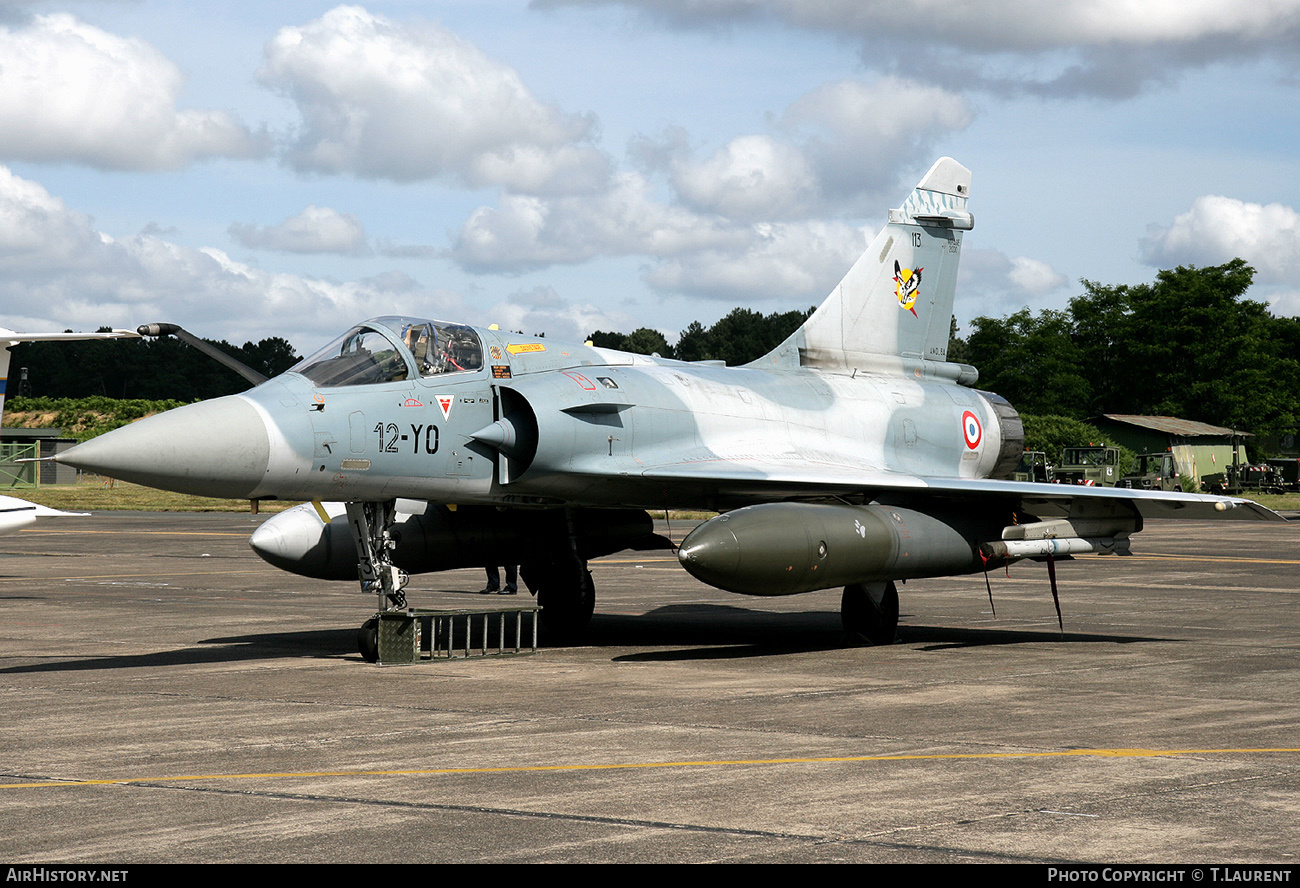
column 15, row 514
column 853, row 455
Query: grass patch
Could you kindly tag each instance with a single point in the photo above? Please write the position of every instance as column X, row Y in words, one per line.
column 95, row 494
column 80, row 418
column 1277, row 502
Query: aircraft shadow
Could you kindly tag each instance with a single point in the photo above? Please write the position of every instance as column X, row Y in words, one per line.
column 325, row 643
column 730, row 632
column 698, row 632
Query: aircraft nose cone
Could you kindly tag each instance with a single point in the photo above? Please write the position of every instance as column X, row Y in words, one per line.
column 215, row 448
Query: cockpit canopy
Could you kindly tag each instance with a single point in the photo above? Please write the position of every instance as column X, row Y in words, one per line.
column 392, row 349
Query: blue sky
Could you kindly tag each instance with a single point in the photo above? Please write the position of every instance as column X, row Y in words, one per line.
column 569, row 165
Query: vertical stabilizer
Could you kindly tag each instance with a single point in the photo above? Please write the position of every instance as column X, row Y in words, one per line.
column 892, row 311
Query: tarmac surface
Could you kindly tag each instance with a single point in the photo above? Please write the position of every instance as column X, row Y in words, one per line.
column 167, row 697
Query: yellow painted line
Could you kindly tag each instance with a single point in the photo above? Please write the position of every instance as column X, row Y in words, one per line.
column 166, row 573
column 624, row 766
column 213, row 533
column 668, row 559
column 1226, row 558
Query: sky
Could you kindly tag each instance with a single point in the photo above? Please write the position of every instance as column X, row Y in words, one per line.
column 564, row 166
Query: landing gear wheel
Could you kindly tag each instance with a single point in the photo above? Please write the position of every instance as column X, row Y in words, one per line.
column 566, row 593
column 368, row 640
column 869, row 612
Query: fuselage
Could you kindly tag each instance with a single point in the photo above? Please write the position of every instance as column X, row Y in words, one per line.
column 501, row 418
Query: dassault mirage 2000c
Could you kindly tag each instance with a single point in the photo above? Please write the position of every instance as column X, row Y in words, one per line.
column 854, row 454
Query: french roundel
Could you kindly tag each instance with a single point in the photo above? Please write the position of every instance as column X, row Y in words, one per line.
column 970, row 427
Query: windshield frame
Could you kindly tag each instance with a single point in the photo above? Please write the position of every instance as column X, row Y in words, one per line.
column 412, row 348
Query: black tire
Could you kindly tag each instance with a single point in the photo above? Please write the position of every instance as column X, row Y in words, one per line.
column 567, row 597
column 866, row 621
column 368, row 640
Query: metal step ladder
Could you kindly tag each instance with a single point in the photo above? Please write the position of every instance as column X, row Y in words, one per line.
column 413, row 635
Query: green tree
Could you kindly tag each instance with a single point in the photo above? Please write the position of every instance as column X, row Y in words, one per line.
column 602, row 339
column 1032, row 361
column 958, row 353
column 1190, row 344
column 742, row 336
column 694, row 344
column 644, row 341
column 641, row 341
column 143, row 368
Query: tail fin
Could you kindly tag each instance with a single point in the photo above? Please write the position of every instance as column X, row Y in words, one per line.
column 892, row 311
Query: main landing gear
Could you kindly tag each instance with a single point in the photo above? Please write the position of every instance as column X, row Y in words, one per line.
column 869, row 612
column 565, row 591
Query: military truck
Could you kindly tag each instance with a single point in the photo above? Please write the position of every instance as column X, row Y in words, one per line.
column 1288, row 472
column 1257, row 478
column 1095, row 464
column 1155, row 471
column 1034, row 467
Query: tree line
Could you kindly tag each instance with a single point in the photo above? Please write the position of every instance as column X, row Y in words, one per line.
column 742, row 336
column 152, row 369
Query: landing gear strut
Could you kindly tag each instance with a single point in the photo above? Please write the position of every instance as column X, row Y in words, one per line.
column 371, row 524
column 869, row 612
column 563, row 587
column 566, row 593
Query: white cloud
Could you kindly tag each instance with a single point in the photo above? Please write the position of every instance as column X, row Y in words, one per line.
column 1099, row 47
column 748, row 222
column 835, row 145
column 72, row 93
column 1033, row 277
column 525, row 233
column 751, row 177
column 1217, row 229
column 1282, row 301
column 743, row 222
column 692, row 253
column 861, row 133
column 314, row 230
column 57, row 271
column 543, row 310
column 415, row 101
column 990, row 282
column 1017, row 25
column 791, row 261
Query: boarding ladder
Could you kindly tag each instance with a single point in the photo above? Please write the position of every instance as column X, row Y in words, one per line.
column 413, row 635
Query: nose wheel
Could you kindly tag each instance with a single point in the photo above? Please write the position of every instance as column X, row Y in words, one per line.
column 368, row 640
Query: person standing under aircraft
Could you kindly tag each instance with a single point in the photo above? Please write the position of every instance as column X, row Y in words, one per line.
column 494, row 580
